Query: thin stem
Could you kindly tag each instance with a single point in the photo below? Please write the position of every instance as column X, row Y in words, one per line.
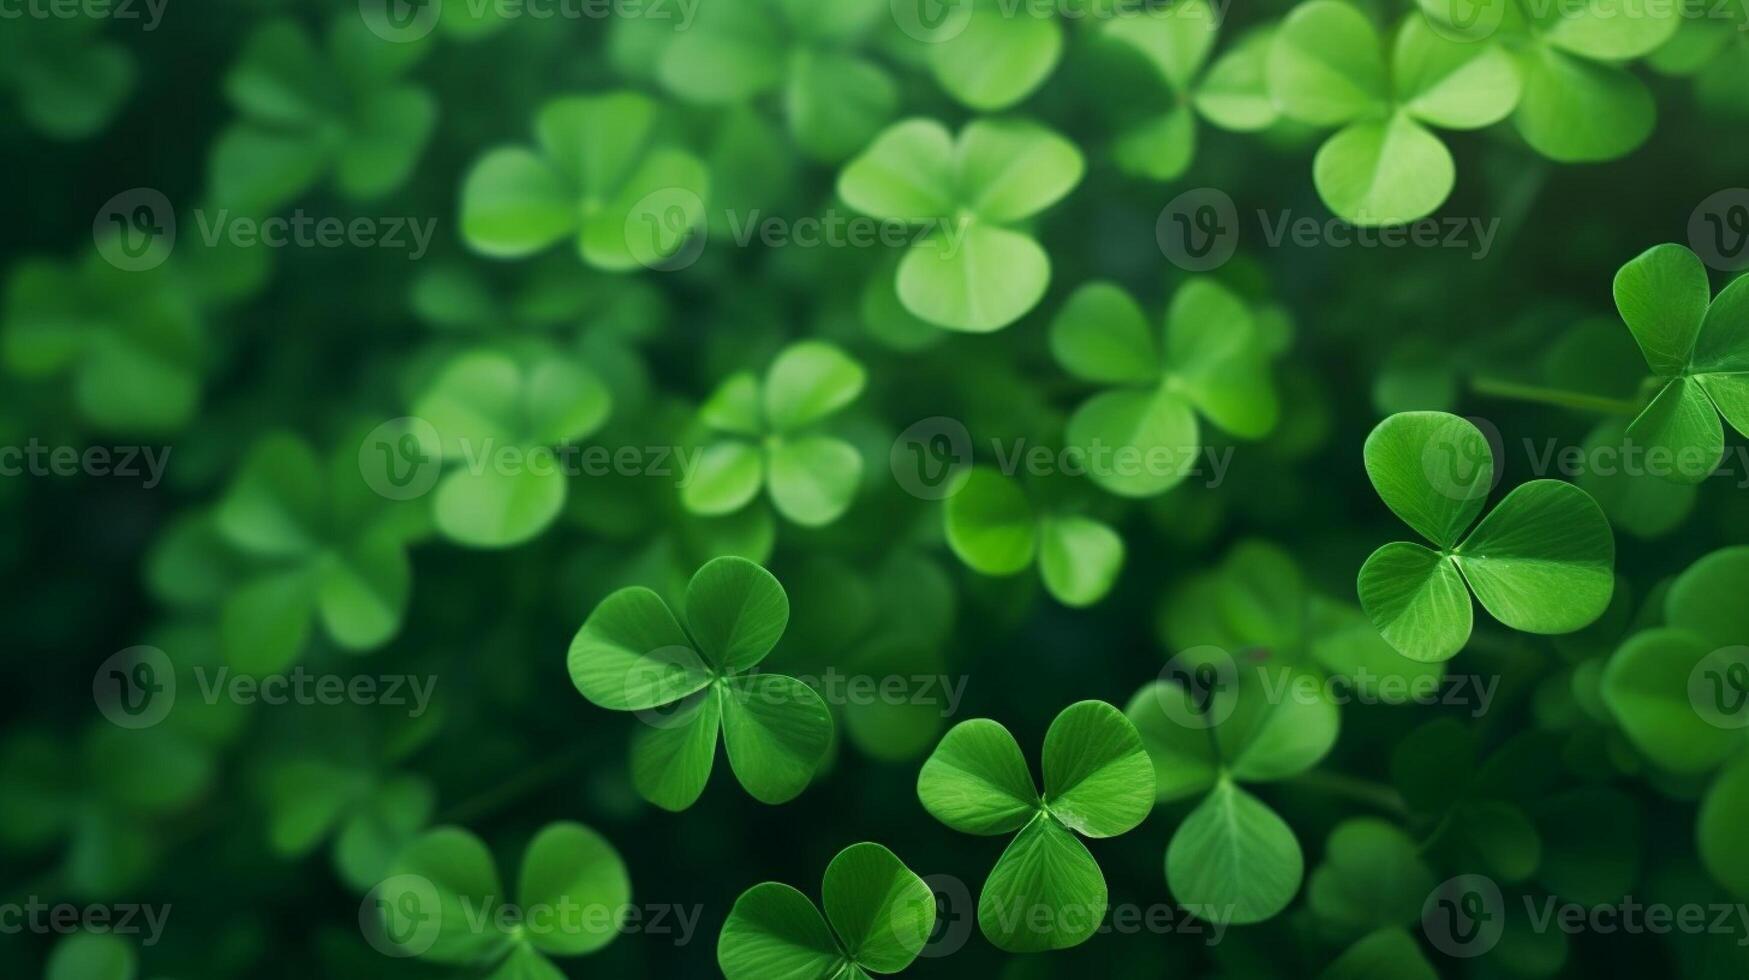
column 1352, row 787
column 1558, row 397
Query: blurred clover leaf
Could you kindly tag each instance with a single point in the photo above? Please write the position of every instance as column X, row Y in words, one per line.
column 1543, row 561
column 604, row 174
column 986, row 54
column 370, row 818
column 67, row 80
column 310, row 112
column 1140, row 438
column 771, row 438
column 92, row 956
column 1389, row 953
column 1713, row 50
column 326, row 548
column 1372, row 877
column 1580, row 103
column 1176, row 42
column 996, row 529
column 572, row 899
column 1698, row 347
column 1232, row 860
column 1046, row 891
column 880, row 913
column 971, row 270
column 504, row 415
column 1328, row 66
column 632, row 654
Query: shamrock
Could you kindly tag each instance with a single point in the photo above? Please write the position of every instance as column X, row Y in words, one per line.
column 1208, row 726
column 773, row 439
column 326, row 547
column 500, row 413
column 1579, row 103
column 1715, row 51
column 880, row 913
column 1698, row 346
column 1328, row 66
column 1176, row 42
column 987, row 54
column 370, row 816
column 1141, row 438
column 633, row 655
column 972, row 271
column 69, row 82
column 1046, row 891
column 443, row 902
column 603, row 174
column 308, row 113
column 741, row 49
column 1543, row 561
column 996, row 529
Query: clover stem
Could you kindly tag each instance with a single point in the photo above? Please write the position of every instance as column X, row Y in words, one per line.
column 1359, row 790
column 1558, row 397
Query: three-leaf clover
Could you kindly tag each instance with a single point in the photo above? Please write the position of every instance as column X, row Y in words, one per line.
column 68, row 81
column 1328, row 66
column 502, row 415
column 880, row 917
column 444, row 902
column 1046, row 891
column 972, row 271
column 1141, row 438
column 632, row 654
column 1177, row 41
column 997, row 529
column 1543, row 561
column 772, row 440
column 604, row 174
column 309, row 112
column 1698, row 346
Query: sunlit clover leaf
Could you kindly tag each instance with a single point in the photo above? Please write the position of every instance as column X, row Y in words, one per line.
column 1046, row 891
column 486, row 403
column 771, row 438
column 1140, row 437
column 69, row 82
column 632, row 654
column 1328, row 66
column 987, row 54
column 997, row 530
column 879, row 916
column 602, row 174
column 327, row 549
column 1543, row 561
column 1698, row 346
column 1372, row 877
column 1231, row 94
column 972, row 271
column 573, row 892
column 307, row 112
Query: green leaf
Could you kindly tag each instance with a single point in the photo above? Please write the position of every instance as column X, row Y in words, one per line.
column 362, row 592
column 1046, row 891
column 1647, row 687
column 1102, row 335
column 737, row 611
column 1233, row 860
column 1682, row 424
column 808, row 382
column 728, row 475
column 306, row 798
column 1721, row 354
column 264, row 624
column 1663, row 296
column 1598, row 31
column 376, row 834
column 1417, row 601
column 1544, row 560
column 514, row 204
column 1175, row 735
column 1275, row 730
column 1719, row 834
column 973, row 277
column 1385, row 172
column 1011, row 169
column 976, row 780
column 907, row 174
column 1452, row 84
column 275, row 505
column 1705, row 599
column 672, row 760
column 776, row 731
column 1576, row 111
column 387, row 138
column 1138, row 443
column 730, row 55
column 453, row 867
column 1079, row 558
column 998, row 59
column 89, row 956
column 1326, row 65
column 498, row 507
column 631, row 654
column 836, row 102
column 813, row 479
column 1099, row 781
column 735, row 407
column 1160, row 147
column 1388, row 954
column 1433, row 470
column 574, row 872
column 990, row 524
column 525, row 962
column 1234, row 95
column 774, row 933
column 1372, row 877
column 881, row 910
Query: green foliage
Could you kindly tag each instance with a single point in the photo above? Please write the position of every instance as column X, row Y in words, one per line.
column 996, row 529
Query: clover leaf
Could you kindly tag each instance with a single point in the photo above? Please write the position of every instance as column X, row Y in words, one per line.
column 1543, row 561
column 67, row 80
column 1384, row 953
column 501, row 414
column 327, row 548
column 772, row 438
column 1372, row 877
column 1176, row 41
column 987, row 54
column 604, row 174
column 1714, row 50
column 880, row 913
column 1046, row 891
column 92, row 956
column 1328, row 66
column 632, row 654
column 445, row 898
column 972, row 271
column 1140, row 437
column 310, row 112
column 1698, row 347
column 996, row 529
column 370, row 818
